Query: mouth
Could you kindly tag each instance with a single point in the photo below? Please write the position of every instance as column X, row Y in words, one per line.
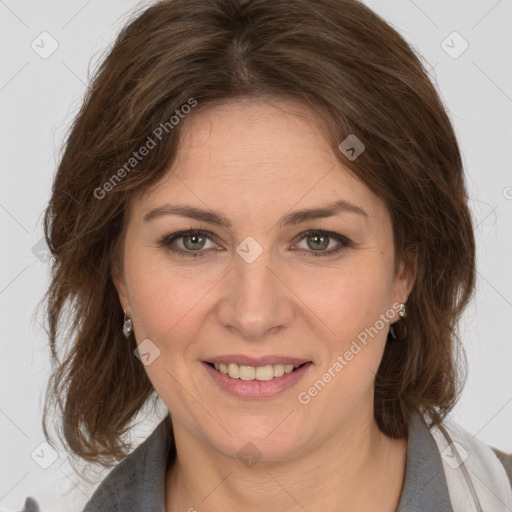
column 260, row 373
column 254, row 377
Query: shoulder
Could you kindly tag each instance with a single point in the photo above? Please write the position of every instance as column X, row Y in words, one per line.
column 477, row 450
column 30, row 505
column 506, row 461
column 474, row 473
column 448, row 468
column 138, row 482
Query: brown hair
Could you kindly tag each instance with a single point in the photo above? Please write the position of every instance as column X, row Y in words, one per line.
column 343, row 61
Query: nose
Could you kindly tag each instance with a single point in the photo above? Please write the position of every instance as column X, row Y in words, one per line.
column 256, row 300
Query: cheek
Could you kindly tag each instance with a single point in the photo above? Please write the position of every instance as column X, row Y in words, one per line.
column 358, row 311
column 356, row 316
column 167, row 301
column 350, row 298
column 166, row 309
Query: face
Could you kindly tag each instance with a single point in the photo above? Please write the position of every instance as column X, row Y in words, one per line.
column 239, row 261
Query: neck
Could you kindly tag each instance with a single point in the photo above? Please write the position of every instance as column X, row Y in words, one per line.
column 358, row 467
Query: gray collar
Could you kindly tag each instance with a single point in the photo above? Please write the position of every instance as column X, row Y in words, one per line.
column 425, row 488
column 138, row 482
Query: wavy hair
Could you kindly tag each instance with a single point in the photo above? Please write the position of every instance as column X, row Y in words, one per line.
column 343, row 61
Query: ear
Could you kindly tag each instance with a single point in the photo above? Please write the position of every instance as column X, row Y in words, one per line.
column 119, row 280
column 406, row 276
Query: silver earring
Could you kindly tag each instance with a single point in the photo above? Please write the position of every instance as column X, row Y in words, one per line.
column 402, row 314
column 127, row 326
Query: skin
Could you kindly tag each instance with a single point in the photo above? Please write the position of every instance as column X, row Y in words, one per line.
column 255, row 162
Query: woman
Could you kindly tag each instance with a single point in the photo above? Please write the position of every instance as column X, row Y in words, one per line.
column 261, row 218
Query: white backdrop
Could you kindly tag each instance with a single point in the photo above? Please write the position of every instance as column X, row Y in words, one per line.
column 47, row 48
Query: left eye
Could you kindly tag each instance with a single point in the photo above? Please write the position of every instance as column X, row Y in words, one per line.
column 321, row 243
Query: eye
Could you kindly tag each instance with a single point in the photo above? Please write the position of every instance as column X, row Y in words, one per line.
column 189, row 243
column 195, row 242
column 323, row 243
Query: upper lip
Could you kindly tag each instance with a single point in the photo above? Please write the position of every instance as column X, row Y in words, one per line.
column 256, row 361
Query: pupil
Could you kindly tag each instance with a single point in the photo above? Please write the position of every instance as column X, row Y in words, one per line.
column 194, row 241
column 318, row 240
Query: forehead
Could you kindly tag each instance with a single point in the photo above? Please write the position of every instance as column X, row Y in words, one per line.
column 258, row 152
column 250, row 133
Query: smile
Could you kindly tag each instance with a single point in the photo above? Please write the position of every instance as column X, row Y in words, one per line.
column 253, row 378
column 262, row 373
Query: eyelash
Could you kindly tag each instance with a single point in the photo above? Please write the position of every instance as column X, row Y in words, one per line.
column 169, row 239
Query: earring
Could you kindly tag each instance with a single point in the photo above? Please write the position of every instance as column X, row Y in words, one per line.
column 402, row 314
column 127, row 326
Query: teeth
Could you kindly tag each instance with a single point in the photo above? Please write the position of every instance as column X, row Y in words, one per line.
column 242, row 372
column 278, row 370
column 233, row 370
column 246, row 372
column 264, row 372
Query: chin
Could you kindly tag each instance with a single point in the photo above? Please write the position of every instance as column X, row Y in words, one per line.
column 259, row 443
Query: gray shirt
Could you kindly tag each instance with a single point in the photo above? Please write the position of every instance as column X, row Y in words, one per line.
column 138, row 482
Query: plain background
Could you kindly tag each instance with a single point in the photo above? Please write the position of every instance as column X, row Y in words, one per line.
column 39, row 98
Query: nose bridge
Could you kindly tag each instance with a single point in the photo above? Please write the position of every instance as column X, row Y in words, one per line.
column 256, row 301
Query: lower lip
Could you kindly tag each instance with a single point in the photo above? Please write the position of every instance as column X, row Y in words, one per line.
column 257, row 388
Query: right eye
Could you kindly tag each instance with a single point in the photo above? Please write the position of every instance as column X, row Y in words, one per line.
column 189, row 243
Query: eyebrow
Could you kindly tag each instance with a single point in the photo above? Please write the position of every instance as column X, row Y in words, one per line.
column 291, row 219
